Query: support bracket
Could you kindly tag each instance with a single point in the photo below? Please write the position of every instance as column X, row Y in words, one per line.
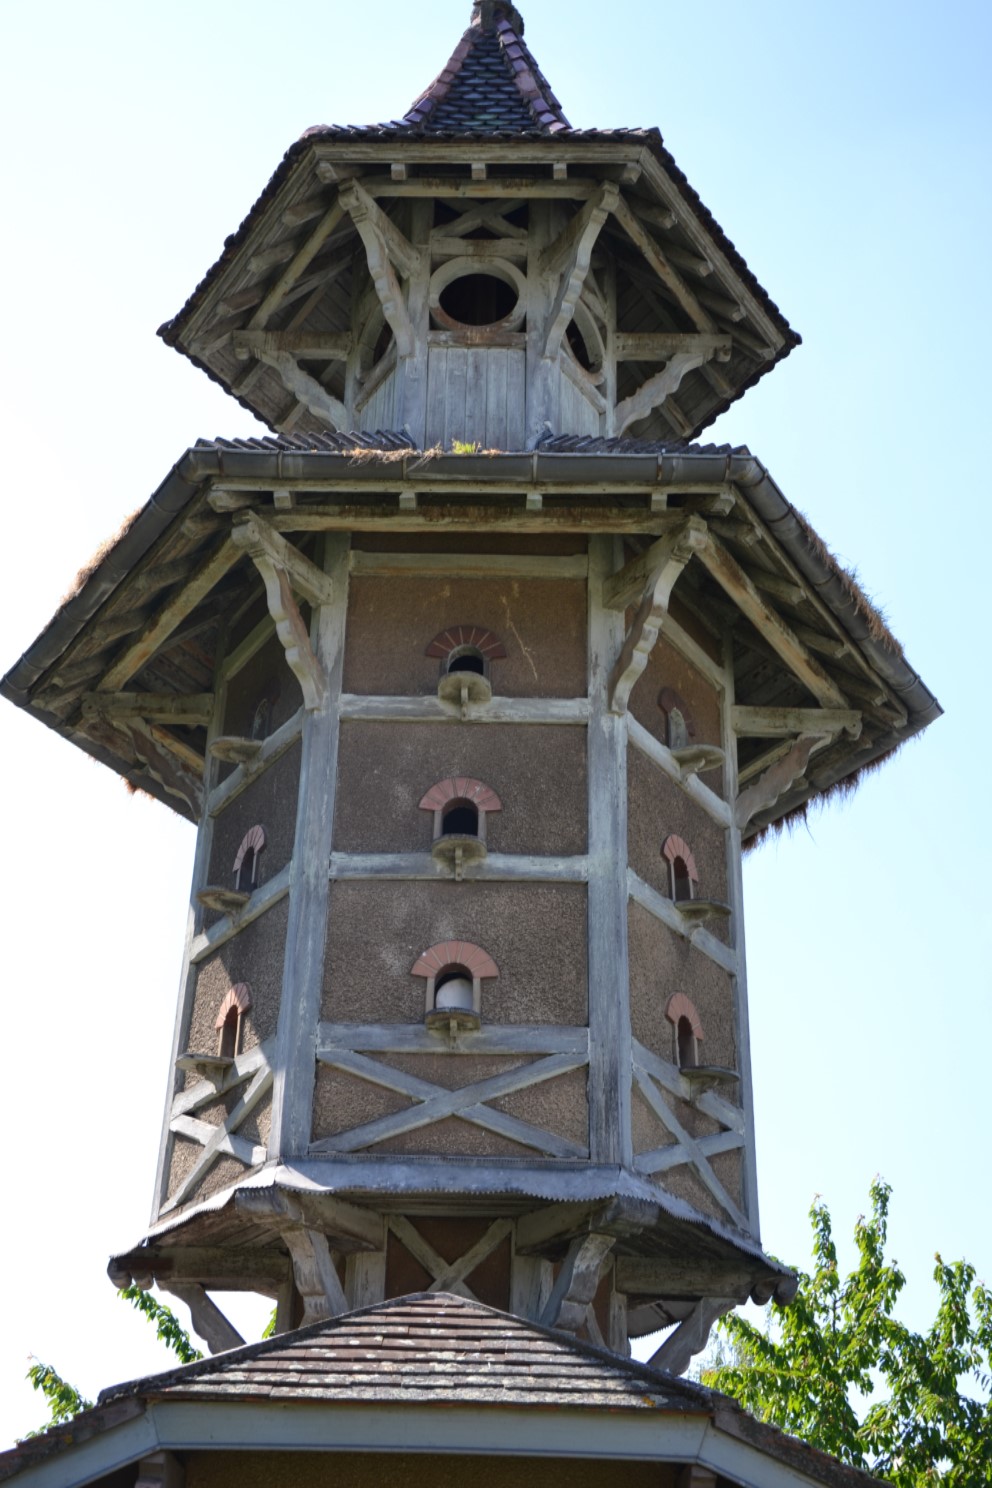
column 316, row 1275
column 690, row 1336
column 282, row 567
column 662, row 565
column 577, row 1282
column 209, row 1322
column 570, row 256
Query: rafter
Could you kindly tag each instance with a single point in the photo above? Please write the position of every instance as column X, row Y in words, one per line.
column 195, row 710
column 301, row 260
column 656, row 258
column 316, row 346
column 771, row 723
column 727, row 572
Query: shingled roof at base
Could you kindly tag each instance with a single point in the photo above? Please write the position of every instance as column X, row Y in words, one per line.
column 498, row 1375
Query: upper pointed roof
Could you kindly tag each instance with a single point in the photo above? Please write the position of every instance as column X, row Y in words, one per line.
column 492, row 82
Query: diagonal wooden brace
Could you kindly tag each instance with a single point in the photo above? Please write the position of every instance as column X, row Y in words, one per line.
column 282, row 567
column 316, row 1275
column 577, row 1282
column 665, row 561
column 777, row 779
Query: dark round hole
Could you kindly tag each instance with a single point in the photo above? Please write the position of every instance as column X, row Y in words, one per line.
column 460, row 820
column 478, row 299
column 469, row 662
column 452, row 974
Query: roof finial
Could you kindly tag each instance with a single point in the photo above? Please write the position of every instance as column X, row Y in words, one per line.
column 485, row 12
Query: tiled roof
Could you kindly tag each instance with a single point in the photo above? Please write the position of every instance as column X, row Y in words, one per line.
column 491, row 83
column 426, row 1347
column 383, row 441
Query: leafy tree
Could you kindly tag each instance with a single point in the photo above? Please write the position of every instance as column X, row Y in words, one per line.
column 839, row 1370
column 65, row 1401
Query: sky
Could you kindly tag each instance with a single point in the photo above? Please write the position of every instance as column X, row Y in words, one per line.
column 844, row 147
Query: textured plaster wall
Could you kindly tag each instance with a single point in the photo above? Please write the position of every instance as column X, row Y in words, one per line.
column 657, row 809
column 536, row 934
column 265, row 675
column 541, row 622
column 386, row 769
column 666, row 668
column 255, row 956
column 343, row 1101
column 416, row 1470
column 661, row 964
column 270, row 802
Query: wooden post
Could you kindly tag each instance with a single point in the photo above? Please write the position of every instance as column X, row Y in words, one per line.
column 735, row 897
column 303, row 964
column 609, row 1002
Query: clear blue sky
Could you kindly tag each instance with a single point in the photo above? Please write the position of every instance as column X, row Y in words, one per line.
column 844, row 147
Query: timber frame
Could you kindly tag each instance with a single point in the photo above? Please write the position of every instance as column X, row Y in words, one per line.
column 633, row 312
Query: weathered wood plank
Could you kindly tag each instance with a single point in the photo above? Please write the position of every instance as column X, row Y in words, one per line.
column 494, row 868
column 432, row 710
column 195, row 710
column 772, row 723
column 407, row 1038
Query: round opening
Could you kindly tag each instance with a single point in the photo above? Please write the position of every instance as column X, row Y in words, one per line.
column 478, row 299
column 467, row 661
column 453, row 989
column 577, row 342
column 460, row 820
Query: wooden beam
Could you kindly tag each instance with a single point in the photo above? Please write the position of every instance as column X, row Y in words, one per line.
column 208, row 1321
column 568, row 258
column 157, row 631
column 659, row 346
column 577, row 1282
column 347, row 1226
column 658, row 261
column 385, row 246
column 154, row 707
column 301, row 260
column 458, row 188
column 315, row 1274
column 306, row 389
column 771, row 723
column 330, row 346
column 256, row 538
column 690, row 1338
column 679, row 1276
column 776, row 780
column 667, row 558
column 727, row 572
column 654, row 392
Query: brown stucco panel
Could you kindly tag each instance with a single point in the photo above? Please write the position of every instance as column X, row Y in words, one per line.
column 255, row 956
column 269, row 802
column 343, row 1101
column 265, row 675
column 666, row 668
column 541, row 622
column 536, row 934
column 452, row 1137
column 560, row 1106
column 657, row 809
column 386, row 769
column 663, row 963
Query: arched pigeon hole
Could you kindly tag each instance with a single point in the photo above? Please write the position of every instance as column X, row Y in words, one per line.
column 229, row 1020
column 680, row 726
column 454, row 971
column 687, row 1030
column 460, row 806
column 246, row 860
column 684, row 874
column 464, row 648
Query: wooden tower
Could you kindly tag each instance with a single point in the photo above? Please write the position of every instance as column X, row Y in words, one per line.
column 474, row 712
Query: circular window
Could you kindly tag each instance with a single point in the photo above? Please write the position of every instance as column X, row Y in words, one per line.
column 478, row 300
column 465, row 297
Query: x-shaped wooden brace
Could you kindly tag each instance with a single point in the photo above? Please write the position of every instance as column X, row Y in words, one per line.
column 220, row 1141
column 449, row 1276
column 435, row 1103
column 685, row 1149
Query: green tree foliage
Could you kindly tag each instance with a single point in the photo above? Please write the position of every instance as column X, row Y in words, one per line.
column 837, row 1369
column 65, row 1401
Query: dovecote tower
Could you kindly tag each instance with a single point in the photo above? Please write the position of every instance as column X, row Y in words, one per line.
column 474, row 713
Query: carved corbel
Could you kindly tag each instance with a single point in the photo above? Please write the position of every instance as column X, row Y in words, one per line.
column 209, row 1323
column 571, row 256
column 311, row 393
column 316, row 1275
column 664, row 384
column 777, row 779
column 661, row 567
column 690, row 1336
column 282, row 568
column 577, row 1282
column 387, row 250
